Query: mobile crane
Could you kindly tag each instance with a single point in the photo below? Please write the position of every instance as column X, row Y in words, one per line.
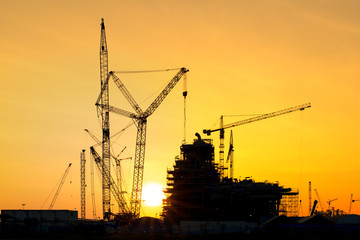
column 59, row 187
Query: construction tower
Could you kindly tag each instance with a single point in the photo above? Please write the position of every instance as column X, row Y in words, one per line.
column 104, row 112
column 83, row 184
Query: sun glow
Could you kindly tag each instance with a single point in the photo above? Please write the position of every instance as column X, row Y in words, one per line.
column 153, row 194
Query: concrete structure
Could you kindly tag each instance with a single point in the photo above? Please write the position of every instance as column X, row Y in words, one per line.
column 38, row 220
column 196, row 193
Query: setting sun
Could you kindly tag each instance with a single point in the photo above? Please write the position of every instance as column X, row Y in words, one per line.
column 153, row 194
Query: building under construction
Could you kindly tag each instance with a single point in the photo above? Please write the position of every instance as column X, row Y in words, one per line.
column 196, row 191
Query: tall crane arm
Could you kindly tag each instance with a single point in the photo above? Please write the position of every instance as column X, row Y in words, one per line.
column 113, row 187
column 318, row 197
column 155, row 104
column 60, row 186
column 126, row 93
column 261, row 117
column 93, row 137
column 119, row 111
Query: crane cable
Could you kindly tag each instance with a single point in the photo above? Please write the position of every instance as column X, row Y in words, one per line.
column 148, row 71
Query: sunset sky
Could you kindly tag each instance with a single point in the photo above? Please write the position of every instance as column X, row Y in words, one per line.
column 245, row 57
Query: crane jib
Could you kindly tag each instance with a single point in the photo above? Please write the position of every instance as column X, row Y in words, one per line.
column 261, row 117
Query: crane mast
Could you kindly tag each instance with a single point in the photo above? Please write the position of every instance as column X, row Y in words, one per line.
column 83, row 184
column 309, row 197
column 246, row 121
column 105, row 122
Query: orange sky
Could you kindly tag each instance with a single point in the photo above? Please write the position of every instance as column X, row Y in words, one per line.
column 245, row 57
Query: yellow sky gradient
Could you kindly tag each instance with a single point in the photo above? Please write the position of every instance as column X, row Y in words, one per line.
column 244, row 57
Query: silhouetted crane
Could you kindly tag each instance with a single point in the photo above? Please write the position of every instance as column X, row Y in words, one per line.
column 104, row 112
column 124, row 208
column 223, row 126
column 351, row 201
column 140, row 118
column 318, row 197
column 60, row 186
column 230, row 157
column 330, row 201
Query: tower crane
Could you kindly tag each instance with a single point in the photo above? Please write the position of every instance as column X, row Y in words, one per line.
column 60, row 186
column 140, row 118
column 223, row 126
column 330, row 201
column 351, row 201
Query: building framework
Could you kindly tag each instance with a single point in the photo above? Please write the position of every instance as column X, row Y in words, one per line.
column 196, row 192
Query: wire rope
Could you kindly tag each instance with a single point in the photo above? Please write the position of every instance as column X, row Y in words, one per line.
column 148, row 71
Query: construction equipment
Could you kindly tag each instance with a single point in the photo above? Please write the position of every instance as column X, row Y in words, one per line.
column 60, row 186
column 119, row 170
column 318, row 197
column 185, row 94
column 104, row 112
column 313, row 208
column 310, row 198
column 230, row 157
column 98, row 143
column 124, row 209
column 351, row 201
column 117, row 160
column 222, row 128
column 92, row 188
column 140, row 118
column 330, row 201
column 82, row 183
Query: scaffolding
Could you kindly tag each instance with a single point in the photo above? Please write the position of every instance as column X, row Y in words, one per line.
column 195, row 191
column 289, row 205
